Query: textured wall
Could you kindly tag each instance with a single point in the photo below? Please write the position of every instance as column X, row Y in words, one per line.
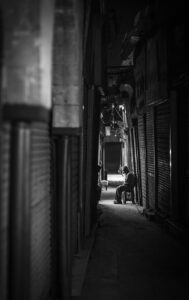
column 67, row 65
column 28, row 28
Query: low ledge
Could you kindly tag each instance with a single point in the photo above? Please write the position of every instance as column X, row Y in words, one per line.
column 25, row 113
column 174, row 228
column 80, row 265
column 178, row 231
column 58, row 131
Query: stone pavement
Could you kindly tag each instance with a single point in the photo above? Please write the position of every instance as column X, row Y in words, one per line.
column 133, row 258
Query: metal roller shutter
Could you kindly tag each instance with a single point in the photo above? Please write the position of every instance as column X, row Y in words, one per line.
column 185, row 148
column 142, row 148
column 183, row 153
column 163, row 158
column 40, row 211
column 4, row 206
column 137, row 166
column 150, row 139
column 187, row 172
column 75, row 180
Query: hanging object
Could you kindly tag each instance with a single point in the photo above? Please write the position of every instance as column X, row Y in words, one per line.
column 107, row 130
column 127, row 88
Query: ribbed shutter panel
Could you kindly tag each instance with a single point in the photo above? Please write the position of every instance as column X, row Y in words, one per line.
column 163, row 159
column 187, row 171
column 142, row 148
column 4, row 205
column 187, row 126
column 150, row 140
column 40, row 212
column 75, row 179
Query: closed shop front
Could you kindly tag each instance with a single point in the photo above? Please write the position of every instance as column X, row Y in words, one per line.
column 40, row 211
column 162, row 121
column 113, row 157
column 150, row 146
column 187, row 172
column 183, row 153
column 75, row 191
column 142, row 147
column 4, row 209
column 135, row 157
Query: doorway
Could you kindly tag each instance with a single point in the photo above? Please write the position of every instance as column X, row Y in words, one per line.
column 113, row 157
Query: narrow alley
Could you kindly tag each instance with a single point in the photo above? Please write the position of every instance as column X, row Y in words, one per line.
column 134, row 258
column 94, row 112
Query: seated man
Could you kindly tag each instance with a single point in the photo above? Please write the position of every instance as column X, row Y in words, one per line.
column 130, row 181
column 99, row 186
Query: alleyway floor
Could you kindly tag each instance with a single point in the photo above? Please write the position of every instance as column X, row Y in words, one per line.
column 133, row 258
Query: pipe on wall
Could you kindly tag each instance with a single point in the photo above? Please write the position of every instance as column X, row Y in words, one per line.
column 64, row 218
column 19, row 234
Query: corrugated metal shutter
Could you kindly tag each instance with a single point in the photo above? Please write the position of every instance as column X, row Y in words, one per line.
column 142, row 148
column 182, row 209
column 4, row 206
column 75, row 180
column 187, row 172
column 186, row 127
column 137, row 166
column 150, row 139
column 163, row 158
column 40, row 211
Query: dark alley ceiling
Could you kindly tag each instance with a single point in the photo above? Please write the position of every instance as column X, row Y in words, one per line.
column 121, row 16
column 128, row 24
column 123, row 13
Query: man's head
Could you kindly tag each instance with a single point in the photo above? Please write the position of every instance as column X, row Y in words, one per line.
column 125, row 169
